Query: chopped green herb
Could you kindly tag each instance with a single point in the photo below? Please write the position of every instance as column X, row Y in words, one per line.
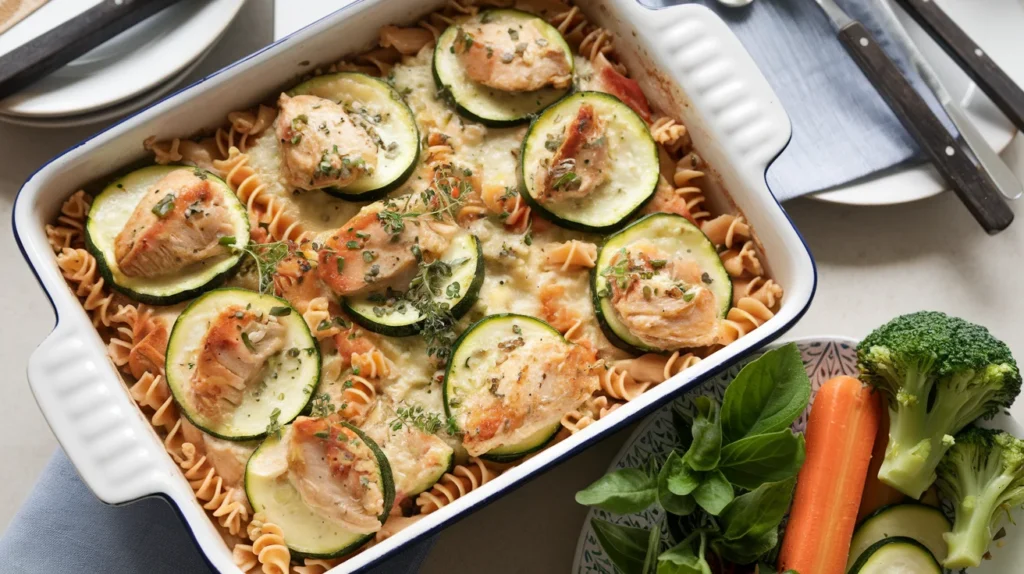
column 164, row 206
column 280, row 311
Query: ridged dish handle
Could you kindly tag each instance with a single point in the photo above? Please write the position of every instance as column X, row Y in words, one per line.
column 101, row 430
column 693, row 43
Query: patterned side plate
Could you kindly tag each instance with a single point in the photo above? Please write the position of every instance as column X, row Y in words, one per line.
column 824, row 358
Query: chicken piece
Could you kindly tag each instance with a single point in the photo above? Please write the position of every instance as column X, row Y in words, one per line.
column 535, row 383
column 512, row 57
column 178, row 223
column 296, row 281
column 231, row 357
column 370, row 253
column 608, row 80
column 414, row 455
column 322, row 145
column 662, row 299
column 578, row 166
column 336, row 474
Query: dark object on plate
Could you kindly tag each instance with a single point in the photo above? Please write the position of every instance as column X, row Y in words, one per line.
column 48, row 52
column 980, row 196
column 979, row 66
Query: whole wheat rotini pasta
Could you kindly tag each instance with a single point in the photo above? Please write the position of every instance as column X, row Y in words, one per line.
column 462, row 480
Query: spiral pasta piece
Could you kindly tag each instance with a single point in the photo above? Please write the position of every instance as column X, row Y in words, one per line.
column 592, row 410
column 742, row 261
column 358, row 396
column 316, row 565
column 669, row 132
column 243, row 557
column 654, row 368
column 243, row 127
column 318, row 317
column 617, row 383
column 151, row 391
column 509, row 205
column 554, row 310
column 69, row 232
column 79, row 268
column 572, row 253
column 371, row 364
column 225, row 504
column 268, row 545
column 726, row 230
column 767, row 291
column 264, row 207
column 462, row 480
column 747, row 315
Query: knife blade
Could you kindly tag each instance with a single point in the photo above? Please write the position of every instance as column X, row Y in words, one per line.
column 991, row 164
column 976, row 192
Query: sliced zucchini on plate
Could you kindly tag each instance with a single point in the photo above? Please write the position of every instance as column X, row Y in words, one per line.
column 380, row 110
column 240, row 363
column 661, row 264
column 507, row 368
column 500, row 40
column 923, row 523
column 392, row 314
column 155, row 233
column 291, row 478
column 589, row 163
column 896, row 555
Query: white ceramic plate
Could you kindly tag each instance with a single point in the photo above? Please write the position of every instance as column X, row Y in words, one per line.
column 996, row 26
column 824, row 358
column 107, row 114
column 132, row 63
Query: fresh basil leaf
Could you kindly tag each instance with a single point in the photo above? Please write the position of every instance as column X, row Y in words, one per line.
column 625, row 546
column 624, row 491
column 750, row 523
column 681, row 559
column 767, row 395
column 714, row 492
column 675, row 476
column 707, row 436
column 653, row 546
column 681, row 422
column 752, row 461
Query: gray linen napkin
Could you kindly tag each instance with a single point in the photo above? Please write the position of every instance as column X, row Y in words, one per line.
column 62, row 527
column 842, row 129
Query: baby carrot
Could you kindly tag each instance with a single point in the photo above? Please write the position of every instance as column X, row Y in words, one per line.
column 877, row 493
column 840, row 433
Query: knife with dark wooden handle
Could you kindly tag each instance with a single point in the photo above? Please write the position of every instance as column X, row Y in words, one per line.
column 44, row 54
column 976, row 192
column 992, row 80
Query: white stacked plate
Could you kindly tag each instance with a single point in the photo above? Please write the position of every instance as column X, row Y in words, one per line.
column 121, row 75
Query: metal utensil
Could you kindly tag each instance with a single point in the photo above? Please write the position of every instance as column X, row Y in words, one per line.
column 992, row 80
column 991, row 164
column 48, row 52
column 980, row 196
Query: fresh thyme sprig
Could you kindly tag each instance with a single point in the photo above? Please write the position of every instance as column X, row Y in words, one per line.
column 418, row 418
column 265, row 256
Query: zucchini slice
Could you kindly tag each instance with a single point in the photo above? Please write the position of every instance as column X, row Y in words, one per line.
column 490, row 106
column 418, row 459
column 678, row 239
column 615, row 189
column 381, row 110
column 113, row 208
column 277, row 389
column 390, row 314
column 489, row 375
column 923, row 523
column 896, row 555
column 307, row 532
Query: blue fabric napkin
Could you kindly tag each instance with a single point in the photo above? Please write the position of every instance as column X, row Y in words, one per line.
column 62, row 527
column 842, row 129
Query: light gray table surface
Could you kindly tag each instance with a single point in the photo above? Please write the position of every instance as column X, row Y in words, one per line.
column 873, row 263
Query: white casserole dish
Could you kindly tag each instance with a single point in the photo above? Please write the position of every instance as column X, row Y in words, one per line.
column 684, row 54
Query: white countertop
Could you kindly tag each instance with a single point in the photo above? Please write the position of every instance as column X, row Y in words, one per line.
column 873, row 264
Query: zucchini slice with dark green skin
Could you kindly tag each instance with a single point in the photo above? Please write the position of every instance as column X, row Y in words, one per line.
column 490, row 106
column 896, row 555
column 307, row 533
column 629, row 175
column 674, row 235
column 381, row 110
column 922, row 522
column 471, row 388
column 392, row 315
column 285, row 383
column 418, row 459
column 112, row 209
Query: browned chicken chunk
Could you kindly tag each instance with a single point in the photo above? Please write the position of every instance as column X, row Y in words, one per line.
column 177, row 224
column 579, row 164
column 512, row 57
column 336, row 474
column 662, row 298
column 231, row 357
column 322, row 145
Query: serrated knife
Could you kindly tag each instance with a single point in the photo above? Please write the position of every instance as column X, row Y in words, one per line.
column 976, row 192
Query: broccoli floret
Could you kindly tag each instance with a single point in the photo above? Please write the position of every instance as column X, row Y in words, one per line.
column 983, row 476
column 938, row 373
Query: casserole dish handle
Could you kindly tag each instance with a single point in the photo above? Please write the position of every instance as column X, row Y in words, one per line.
column 101, row 430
